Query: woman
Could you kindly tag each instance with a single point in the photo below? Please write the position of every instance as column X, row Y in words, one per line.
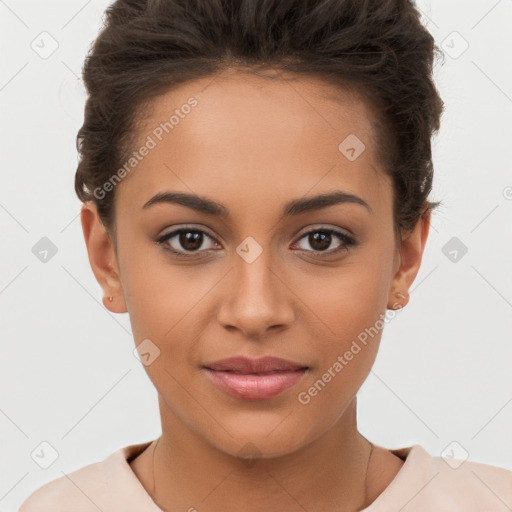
column 255, row 177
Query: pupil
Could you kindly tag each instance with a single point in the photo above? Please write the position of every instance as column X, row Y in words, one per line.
column 322, row 237
column 191, row 240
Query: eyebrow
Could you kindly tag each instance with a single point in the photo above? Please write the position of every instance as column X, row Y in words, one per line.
column 294, row 207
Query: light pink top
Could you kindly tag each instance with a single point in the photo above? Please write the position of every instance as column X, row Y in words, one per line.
column 423, row 484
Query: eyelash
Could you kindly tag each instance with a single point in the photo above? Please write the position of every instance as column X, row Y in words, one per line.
column 347, row 241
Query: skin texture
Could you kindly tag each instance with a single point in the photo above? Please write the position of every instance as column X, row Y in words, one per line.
column 253, row 144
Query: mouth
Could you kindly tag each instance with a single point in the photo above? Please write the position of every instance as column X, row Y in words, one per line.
column 263, row 365
column 255, row 379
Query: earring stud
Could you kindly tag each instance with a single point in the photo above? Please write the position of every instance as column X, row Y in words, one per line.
column 111, row 298
column 402, row 296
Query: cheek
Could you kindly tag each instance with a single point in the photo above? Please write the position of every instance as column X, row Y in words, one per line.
column 349, row 299
column 351, row 309
column 350, row 305
column 168, row 306
column 350, row 346
column 156, row 295
column 160, row 308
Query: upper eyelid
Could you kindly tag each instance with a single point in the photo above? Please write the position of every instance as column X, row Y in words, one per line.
column 319, row 227
column 176, row 231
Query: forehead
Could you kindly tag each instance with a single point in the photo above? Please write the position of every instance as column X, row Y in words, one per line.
column 262, row 137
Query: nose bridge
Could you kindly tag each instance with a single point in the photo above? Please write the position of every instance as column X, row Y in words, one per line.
column 257, row 275
column 257, row 298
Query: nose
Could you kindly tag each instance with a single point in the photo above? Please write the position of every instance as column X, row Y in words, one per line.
column 255, row 298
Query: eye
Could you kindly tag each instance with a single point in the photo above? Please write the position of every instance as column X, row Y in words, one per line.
column 187, row 242
column 183, row 240
column 320, row 239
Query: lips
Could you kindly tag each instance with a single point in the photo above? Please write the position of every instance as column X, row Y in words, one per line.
column 263, row 365
column 255, row 379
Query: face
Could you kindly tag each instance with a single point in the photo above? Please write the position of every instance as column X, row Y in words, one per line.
column 250, row 275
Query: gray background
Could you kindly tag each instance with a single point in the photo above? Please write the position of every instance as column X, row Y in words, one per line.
column 68, row 373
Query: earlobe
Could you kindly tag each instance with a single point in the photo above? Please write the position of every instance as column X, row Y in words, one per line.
column 401, row 300
column 102, row 258
column 410, row 256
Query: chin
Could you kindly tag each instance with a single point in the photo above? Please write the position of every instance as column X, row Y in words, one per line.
column 261, row 439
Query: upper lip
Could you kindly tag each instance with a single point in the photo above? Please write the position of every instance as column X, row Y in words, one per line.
column 262, row 365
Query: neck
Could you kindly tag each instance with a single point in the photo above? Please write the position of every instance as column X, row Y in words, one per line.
column 328, row 473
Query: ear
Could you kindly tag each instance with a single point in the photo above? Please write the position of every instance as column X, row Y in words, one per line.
column 102, row 258
column 409, row 261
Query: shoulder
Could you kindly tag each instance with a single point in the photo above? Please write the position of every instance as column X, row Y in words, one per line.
column 82, row 490
column 472, row 485
column 444, row 484
column 106, row 485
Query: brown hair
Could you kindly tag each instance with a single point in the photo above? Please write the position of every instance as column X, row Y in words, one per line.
column 377, row 47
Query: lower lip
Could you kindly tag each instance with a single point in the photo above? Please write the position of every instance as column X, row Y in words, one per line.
column 253, row 386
